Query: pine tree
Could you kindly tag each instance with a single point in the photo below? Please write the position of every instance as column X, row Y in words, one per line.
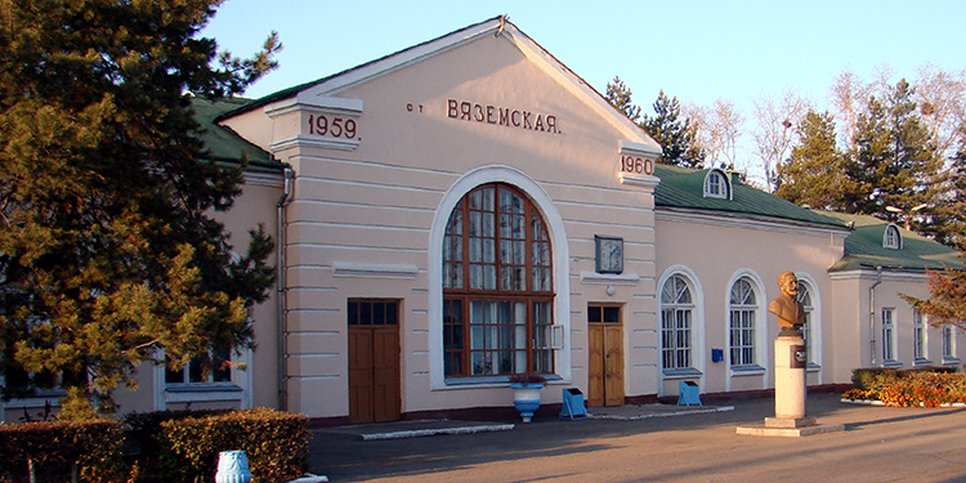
column 676, row 136
column 895, row 166
column 619, row 96
column 108, row 250
column 949, row 221
column 814, row 174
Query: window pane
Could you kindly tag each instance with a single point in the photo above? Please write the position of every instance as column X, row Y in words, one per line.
column 612, row 314
column 221, row 370
column 353, row 313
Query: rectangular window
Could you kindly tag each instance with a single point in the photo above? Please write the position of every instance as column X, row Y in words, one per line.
column 918, row 336
column 676, row 338
column 888, row 335
column 204, row 369
column 742, row 337
column 372, row 312
column 949, row 343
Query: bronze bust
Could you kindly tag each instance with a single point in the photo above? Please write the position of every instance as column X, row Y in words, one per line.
column 791, row 315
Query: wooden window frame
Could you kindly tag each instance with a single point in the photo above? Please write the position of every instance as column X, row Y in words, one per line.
column 537, row 270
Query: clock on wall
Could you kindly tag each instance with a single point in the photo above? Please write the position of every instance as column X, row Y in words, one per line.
column 610, row 254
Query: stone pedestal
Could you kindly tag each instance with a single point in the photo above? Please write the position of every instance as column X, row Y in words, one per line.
column 790, row 390
column 790, row 363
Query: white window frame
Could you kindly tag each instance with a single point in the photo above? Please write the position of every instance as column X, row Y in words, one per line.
column 889, row 338
column 761, row 353
column 813, row 323
column 236, row 391
column 920, row 340
column 673, row 331
column 948, row 336
column 698, row 347
column 892, row 237
column 717, row 184
column 560, row 254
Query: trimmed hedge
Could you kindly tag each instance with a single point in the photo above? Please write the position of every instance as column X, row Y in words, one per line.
column 276, row 443
column 928, row 387
column 92, row 448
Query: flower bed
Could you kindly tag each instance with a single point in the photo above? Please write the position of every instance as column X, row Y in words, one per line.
column 908, row 388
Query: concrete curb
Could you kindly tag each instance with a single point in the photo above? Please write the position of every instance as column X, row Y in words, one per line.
column 417, row 433
column 685, row 412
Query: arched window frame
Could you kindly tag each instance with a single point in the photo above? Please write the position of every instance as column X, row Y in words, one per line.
column 717, row 184
column 892, row 237
column 760, row 338
column 498, row 291
column 561, row 279
column 697, row 366
column 813, row 317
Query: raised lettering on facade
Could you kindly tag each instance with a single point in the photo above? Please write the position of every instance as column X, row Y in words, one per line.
column 633, row 164
column 501, row 116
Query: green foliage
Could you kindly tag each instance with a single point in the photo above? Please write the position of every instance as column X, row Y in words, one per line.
column 93, row 448
column 108, row 249
column 813, row 175
column 949, row 226
column 276, row 444
column 894, row 163
column 677, row 136
column 619, row 96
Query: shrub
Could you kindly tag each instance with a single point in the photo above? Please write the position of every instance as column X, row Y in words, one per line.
column 142, row 441
column 92, row 448
column 276, row 444
column 928, row 387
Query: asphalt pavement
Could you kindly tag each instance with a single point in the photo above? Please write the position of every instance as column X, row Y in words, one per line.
column 657, row 443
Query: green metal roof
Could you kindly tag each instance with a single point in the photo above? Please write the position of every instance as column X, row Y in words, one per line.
column 684, row 188
column 223, row 145
column 864, row 250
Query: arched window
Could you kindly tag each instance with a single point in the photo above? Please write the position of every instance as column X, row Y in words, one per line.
column 892, row 238
column 677, row 314
column 716, row 185
column 743, row 305
column 497, row 285
column 805, row 298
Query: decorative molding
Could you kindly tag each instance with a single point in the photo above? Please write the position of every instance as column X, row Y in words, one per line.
column 334, row 105
column 256, row 178
column 640, row 149
column 594, row 278
column 369, row 270
column 888, row 276
column 644, row 181
column 304, row 141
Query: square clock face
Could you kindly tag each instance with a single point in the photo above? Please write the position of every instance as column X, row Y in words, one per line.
column 610, row 254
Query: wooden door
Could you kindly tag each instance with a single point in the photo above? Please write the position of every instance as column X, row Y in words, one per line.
column 605, row 351
column 613, row 365
column 374, row 389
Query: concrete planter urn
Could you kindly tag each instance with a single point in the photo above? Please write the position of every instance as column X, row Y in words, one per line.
column 526, row 393
column 233, row 467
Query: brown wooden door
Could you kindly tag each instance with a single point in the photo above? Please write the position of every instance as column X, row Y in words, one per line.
column 374, row 394
column 605, row 350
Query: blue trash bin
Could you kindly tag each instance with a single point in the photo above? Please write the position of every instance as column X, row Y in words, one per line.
column 573, row 404
column 688, row 394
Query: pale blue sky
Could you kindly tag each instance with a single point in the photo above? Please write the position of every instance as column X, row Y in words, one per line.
column 696, row 50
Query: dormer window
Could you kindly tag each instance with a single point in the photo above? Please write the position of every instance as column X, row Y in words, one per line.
column 891, row 238
column 717, row 185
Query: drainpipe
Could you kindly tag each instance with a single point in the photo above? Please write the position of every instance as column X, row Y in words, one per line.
column 878, row 280
column 289, row 175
